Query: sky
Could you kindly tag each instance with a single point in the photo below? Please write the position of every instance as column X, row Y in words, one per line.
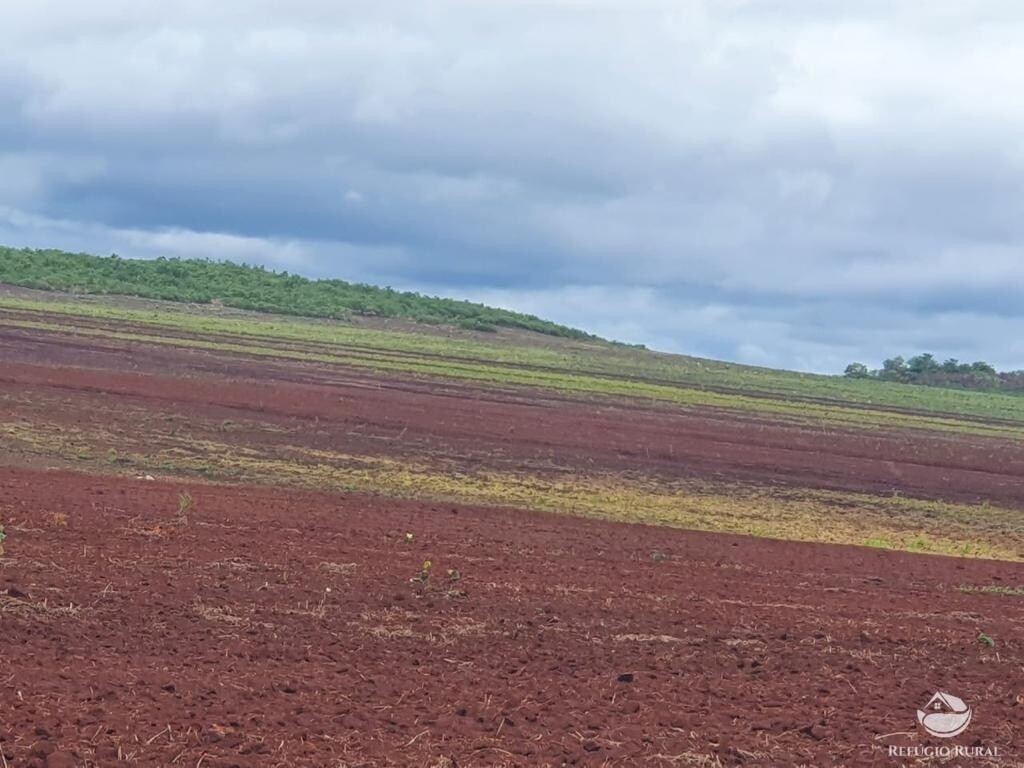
column 784, row 183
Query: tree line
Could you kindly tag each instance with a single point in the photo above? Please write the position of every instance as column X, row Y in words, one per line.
column 927, row 370
column 256, row 288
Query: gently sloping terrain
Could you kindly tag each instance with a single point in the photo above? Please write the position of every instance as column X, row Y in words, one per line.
column 91, row 391
column 516, row 360
column 235, row 540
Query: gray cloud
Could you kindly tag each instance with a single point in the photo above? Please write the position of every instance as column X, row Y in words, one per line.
column 785, row 183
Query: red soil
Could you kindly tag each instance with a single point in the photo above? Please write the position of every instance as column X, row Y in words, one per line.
column 213, row 641
column 133, row 637
column 355, row 411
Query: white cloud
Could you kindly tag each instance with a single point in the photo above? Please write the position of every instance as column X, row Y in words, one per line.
column 20, row 229
column 745, row 172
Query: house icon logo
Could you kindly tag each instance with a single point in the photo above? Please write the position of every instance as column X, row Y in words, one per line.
column 945, row 716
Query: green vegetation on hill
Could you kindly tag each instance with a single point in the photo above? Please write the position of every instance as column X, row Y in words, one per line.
column 253, row 288
column 925, row 369
column 568, row 367
column 861, row 398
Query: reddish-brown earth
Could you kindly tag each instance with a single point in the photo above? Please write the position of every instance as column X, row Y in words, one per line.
column 132, row 636
column 91, row 380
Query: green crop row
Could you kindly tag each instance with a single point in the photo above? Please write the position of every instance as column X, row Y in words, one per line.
column 578, row 369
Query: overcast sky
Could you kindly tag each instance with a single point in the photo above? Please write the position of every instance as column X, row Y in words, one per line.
column 794, row 184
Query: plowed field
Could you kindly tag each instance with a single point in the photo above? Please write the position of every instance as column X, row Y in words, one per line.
column 215, row 559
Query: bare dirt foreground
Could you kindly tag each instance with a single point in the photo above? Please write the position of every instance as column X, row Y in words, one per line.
column 280, row 627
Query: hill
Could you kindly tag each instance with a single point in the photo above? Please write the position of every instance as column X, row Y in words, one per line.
column 251, row 287
column 571, row 366
column 345, row 523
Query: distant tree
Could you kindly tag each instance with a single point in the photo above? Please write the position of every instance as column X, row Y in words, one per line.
column 921, row 365
column 894, row 369
column 925, row 369
column 857, row 371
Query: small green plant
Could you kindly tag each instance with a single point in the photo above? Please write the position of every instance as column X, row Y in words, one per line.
column 986, row 640
column 184, row 505
column 452, row 591
column 3, row 538
column 423, row 576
